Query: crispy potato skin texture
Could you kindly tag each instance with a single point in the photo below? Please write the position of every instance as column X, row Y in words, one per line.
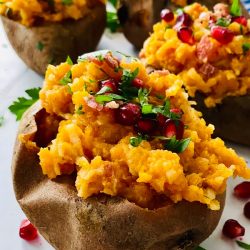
column 102, row 222
column 139, row 19
column 60, row 39
column 231, row 118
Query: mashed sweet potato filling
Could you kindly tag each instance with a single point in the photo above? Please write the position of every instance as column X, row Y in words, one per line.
column 32, row 12
column 205, row 64
column 92, row 142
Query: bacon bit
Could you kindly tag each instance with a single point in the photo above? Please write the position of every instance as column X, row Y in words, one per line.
column 95, row 60
column 221, row 10
column 90, row 101
column 206, row 50
column 207, row 70
column 111, row 61
column 112, row 105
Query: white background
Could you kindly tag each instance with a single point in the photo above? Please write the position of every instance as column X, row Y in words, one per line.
column 15, row 78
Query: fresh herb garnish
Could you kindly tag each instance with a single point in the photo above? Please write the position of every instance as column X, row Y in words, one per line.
column 135, row 141
column 79, row 110
column 113, row 2
column 224, row 22
column 40, row 46
column 177, row 146
column 243, row 245
column 1, row 120
column 19, row 106
column 67, row 2
column 103, row 90
column 69, row 61
column 236, row 8
column 67, row 78
column 245, row 47
column 113, row 22
column 108, row 98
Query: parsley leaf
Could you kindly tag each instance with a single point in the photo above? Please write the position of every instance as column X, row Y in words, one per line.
column 135, row 141
column 235, row 8
column 19, row 106
column 224, row 22
column 79, row 110
column 1, row 120
column 177, row 146
column 67, row 2
column 245, row 47
column 113, row 2
column 69, row 61
column 243, row 245
column 103, row 90
column 113, row 22
column 67, row 78
column 108, row 98
column 40, row 46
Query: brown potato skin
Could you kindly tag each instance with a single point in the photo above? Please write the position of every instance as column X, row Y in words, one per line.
column 102, row 222
column 231, row 118
column 69, row 37
column 140, row 15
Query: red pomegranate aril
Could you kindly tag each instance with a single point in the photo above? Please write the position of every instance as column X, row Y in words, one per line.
column 145, row 126
column 161, row 119
column 247, row 210
column 167, row 15
column 27, row 231
column 222, row 34
column 183, row 19
column 176, row 111
column 240, row 19
column 173, row 128
column 138, row 83
column 233, row 229
column 242, row 190
column 128, row 114
column 112, row 84
column 185, row 34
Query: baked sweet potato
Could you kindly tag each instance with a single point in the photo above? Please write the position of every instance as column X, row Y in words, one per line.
column 57, row 40
column 100, row 222
column 137, row 18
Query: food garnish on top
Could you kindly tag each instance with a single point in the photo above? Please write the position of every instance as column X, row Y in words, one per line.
column 210, row 50
column 130, row 134
column 34, row 12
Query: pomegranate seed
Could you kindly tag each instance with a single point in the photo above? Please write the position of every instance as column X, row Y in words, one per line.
column 176, row 111
column 112, row 84
column 233, row 229
column 128, row 114
column 138, row 83
column 167, row 15
column 174, row 128
column 240, row 19
column 161, row 119
column 222, row 34
column 183, row 19
column 185, row 34
column 247, row 210
column 145, row 126
column 243, row 190
column 27, row 231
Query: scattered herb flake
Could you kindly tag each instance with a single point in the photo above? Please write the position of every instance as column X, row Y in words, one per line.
column 19, row 106
column 79, row 110
column 177, row 146
column 235, row 8
column 147, row 109
column 243, row 245
column 67, row 78
column 67, row 2
column 224, row 22
column 246, row 47
column 69, row 61
column 40, row 46
column 135, row 141
column 1, row 120
column 103, row 90
column 108, row 98
column 113, row 2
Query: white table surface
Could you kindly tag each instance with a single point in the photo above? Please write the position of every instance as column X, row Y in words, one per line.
column 15, row 78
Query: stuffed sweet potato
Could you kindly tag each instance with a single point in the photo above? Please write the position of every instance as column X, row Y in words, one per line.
column 106, row 150
column 210, row 51
column 46, row 32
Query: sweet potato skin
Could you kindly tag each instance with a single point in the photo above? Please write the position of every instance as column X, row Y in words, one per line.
column 70, row 223
column 69, row 37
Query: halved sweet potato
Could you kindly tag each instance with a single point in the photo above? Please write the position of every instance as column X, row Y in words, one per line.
column 101, row 222
column 58, row 40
